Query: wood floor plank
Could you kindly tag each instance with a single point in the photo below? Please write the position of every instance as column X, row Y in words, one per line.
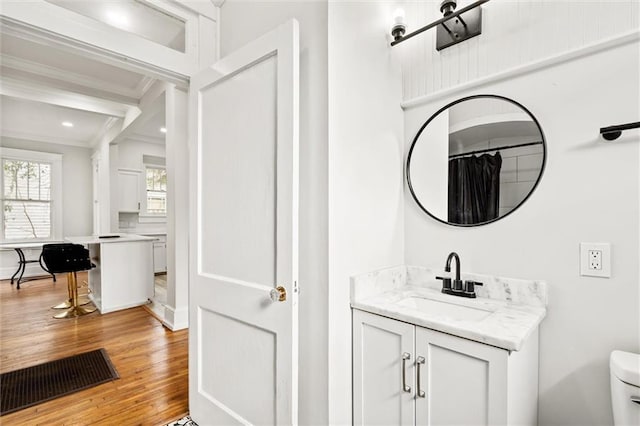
column 152, row 361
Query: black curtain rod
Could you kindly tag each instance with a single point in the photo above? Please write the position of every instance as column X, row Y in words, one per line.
column 500, row 148
column 613, row 132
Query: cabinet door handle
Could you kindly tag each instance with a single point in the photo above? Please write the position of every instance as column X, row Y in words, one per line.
column 419, row 361
column 405, row 356
column 635, row 399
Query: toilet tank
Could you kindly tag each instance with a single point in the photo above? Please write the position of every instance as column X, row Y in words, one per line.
column 625, row 388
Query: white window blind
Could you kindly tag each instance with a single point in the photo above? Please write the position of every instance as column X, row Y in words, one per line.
column 30, row 182
column 156, row 178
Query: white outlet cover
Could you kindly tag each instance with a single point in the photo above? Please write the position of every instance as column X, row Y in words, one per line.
column 605, row 271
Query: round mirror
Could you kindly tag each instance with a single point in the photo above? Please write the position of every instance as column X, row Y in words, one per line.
column 476, row 160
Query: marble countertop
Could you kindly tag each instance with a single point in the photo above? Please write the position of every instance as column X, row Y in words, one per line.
column 514, row 308
column 122, row 238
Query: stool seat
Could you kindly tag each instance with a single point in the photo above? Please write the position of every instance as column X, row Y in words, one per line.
column 69, row 258
column 66, row 257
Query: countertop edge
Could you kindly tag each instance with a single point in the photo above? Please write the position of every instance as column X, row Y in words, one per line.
column 513, row 344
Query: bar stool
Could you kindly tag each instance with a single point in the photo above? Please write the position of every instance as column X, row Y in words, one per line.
column 69, row 258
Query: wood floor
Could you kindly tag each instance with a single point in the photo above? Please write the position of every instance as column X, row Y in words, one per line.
column 151, row 360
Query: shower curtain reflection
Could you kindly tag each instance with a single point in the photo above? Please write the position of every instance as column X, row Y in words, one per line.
column 474, row 189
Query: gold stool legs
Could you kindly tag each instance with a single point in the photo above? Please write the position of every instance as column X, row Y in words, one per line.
column 75, row 310
column 69, row 303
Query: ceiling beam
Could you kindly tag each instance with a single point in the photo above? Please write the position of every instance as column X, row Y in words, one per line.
column 11, row 134
column 42, row 93
column 89, row 84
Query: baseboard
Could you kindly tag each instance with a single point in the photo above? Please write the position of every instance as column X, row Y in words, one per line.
column 122, row 307
column 176, row 319
column 6, row 272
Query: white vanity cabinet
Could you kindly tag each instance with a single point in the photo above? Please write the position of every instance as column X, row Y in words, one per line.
column 378, row 369
column 447, row 379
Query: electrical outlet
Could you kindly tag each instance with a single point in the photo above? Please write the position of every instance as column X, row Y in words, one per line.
column 595, row 259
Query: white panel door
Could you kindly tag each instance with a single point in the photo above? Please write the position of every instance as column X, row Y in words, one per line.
column 383, row 371
column 460, row 382
column 244, row 235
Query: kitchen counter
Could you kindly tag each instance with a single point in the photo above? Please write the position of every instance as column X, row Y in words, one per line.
column 506, row 310
column 121, row 238
column 123, row 276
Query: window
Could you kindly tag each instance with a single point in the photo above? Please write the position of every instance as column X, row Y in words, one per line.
column 30, row 183
column 156, row 178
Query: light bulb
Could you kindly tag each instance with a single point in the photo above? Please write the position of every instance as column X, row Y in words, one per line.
column 399, row 27
column 398, row 17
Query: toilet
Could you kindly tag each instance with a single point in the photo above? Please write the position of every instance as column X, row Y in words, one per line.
column 624, row 369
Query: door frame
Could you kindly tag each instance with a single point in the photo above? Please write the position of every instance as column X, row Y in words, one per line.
column 176, row 317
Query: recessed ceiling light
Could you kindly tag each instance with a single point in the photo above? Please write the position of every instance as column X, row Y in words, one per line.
column 117, row 19
column 163, row 129
column 67, row 124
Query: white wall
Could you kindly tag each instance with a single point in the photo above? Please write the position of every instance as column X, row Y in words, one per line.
column 130, row 156
column 176, row 311
column 514, row 32
column 77, row 196
column 588, row 193
column 130, row 153
column 365, row 170
column 242, row 21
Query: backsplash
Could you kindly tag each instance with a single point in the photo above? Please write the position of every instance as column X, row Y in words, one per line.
column 512, row 290
column 129, row 223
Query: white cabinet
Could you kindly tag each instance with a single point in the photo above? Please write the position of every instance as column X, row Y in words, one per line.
column 378, row 370
column 129, row 190
column 405, row 374
column 160, row 255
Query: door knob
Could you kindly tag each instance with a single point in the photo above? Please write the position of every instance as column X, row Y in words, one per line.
column 278, row 294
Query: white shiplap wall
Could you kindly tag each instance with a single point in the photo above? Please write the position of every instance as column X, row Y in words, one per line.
column 514, row 33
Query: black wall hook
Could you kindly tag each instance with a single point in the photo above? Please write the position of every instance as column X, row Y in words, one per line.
column 613, row 132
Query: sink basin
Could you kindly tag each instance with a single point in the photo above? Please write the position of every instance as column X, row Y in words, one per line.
column 444, row 309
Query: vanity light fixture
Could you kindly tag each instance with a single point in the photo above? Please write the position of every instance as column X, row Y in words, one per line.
column 163, row 129
column 453, row 28
column 399, row 27
column 67, row 124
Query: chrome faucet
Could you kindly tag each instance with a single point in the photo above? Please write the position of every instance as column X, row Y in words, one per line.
column 457, row 289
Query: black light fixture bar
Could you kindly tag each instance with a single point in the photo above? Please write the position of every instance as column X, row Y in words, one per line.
column 613, row 132
column 439, row 21
column 499, row 148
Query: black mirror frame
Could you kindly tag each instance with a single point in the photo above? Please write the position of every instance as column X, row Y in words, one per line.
column 449, row 105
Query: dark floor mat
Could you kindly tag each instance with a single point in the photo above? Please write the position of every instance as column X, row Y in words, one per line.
column 33, row 385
